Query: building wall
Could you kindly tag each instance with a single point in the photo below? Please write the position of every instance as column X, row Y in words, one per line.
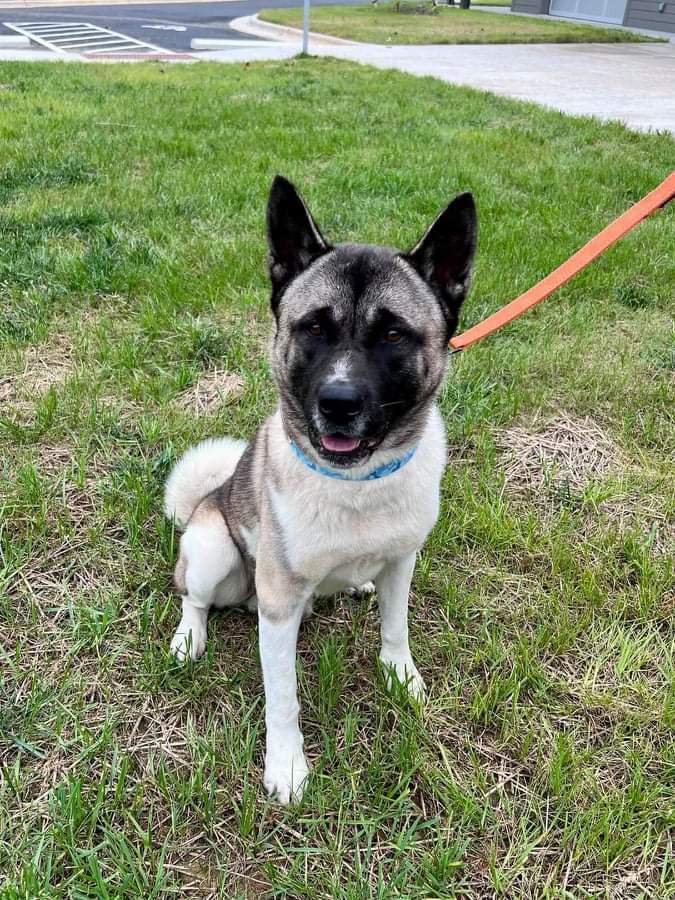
column 645, row 14
column 639, row 13
column 530, row 6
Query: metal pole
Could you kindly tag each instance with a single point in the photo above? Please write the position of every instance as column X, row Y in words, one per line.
column 305, row 27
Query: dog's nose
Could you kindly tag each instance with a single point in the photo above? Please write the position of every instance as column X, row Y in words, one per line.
column 340, row 401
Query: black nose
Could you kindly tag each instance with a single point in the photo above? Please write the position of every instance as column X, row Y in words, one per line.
column 340, row 401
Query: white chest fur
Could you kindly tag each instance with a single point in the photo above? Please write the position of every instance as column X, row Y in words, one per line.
column 338, row 534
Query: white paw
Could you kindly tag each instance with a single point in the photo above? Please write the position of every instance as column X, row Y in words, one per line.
column 367, row 588
column 405, row 672
column 188, row 641
column 286, row 772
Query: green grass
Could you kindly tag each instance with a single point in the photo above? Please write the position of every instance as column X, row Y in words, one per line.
column 132, row 265
column 383, row 24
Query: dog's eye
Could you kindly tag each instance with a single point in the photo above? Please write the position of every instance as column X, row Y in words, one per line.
column 315, row 329
column 393, row 336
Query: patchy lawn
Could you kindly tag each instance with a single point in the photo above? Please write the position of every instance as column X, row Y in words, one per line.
column 134, row 321
column 422, row 23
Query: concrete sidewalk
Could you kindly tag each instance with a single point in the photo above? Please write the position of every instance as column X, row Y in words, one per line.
column 631, row 83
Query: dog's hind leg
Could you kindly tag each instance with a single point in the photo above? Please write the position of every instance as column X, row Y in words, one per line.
column 210, row 572
column 189, row 641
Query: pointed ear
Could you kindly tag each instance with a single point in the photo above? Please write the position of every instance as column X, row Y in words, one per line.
column 444, row 256
column 292, row 235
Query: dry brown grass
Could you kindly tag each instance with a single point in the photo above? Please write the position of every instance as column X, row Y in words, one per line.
column 48, row 365
column 644, row 513
column 45, row 366
column 564, row 453
column 555, row 460
column 211, row 391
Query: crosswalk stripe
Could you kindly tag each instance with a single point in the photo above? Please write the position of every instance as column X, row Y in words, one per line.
column 74, row 37
column 90, row 45
column 139, row 50
column 77, row 35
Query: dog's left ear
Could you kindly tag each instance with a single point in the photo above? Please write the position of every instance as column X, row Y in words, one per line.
column 293, row 236
column 444, row 256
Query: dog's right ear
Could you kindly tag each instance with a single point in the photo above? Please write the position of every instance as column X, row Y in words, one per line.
column 292, row 235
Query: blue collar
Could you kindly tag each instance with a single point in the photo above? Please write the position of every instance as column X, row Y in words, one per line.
column 380, row 472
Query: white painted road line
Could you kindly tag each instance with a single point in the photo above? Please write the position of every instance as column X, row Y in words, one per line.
column 53, row 35
column 103, row 49
column 63, row 37
column 77, row 37
column 92, row 45
column 166, row 27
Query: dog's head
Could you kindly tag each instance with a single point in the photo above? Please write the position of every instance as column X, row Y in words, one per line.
column 361, row 344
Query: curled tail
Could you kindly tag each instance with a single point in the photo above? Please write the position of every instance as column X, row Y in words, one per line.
column 198, row 472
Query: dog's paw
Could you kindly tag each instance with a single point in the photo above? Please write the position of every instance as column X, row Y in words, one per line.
column 286, row 773
column 404, row 672
column 189, row 642
column 362, row 589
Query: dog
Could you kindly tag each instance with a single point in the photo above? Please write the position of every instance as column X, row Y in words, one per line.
column 341, row 485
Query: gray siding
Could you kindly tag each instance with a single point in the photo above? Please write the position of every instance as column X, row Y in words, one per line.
column 529, row 6
column 639, row 13
column 645, row 14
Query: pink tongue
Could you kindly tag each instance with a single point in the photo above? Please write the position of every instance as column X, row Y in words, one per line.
column 339, row 443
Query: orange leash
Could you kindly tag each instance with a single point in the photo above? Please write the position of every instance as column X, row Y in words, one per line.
column 620, row 227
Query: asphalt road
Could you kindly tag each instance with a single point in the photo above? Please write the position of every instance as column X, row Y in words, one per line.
column 195, row 20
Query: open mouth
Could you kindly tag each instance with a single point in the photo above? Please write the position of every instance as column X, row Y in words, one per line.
column 346, row 446
column 340, row 443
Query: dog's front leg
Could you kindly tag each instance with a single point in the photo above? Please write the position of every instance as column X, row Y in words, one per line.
column 286, row 768
column 393, row 587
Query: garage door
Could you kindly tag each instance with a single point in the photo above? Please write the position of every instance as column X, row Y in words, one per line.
column 597, row 10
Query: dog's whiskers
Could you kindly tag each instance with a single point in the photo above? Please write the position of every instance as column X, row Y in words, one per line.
column 392, row 403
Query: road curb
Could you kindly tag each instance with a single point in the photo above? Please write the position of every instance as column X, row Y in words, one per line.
column 284, row 33
column 14, row 41
column 222, row 43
